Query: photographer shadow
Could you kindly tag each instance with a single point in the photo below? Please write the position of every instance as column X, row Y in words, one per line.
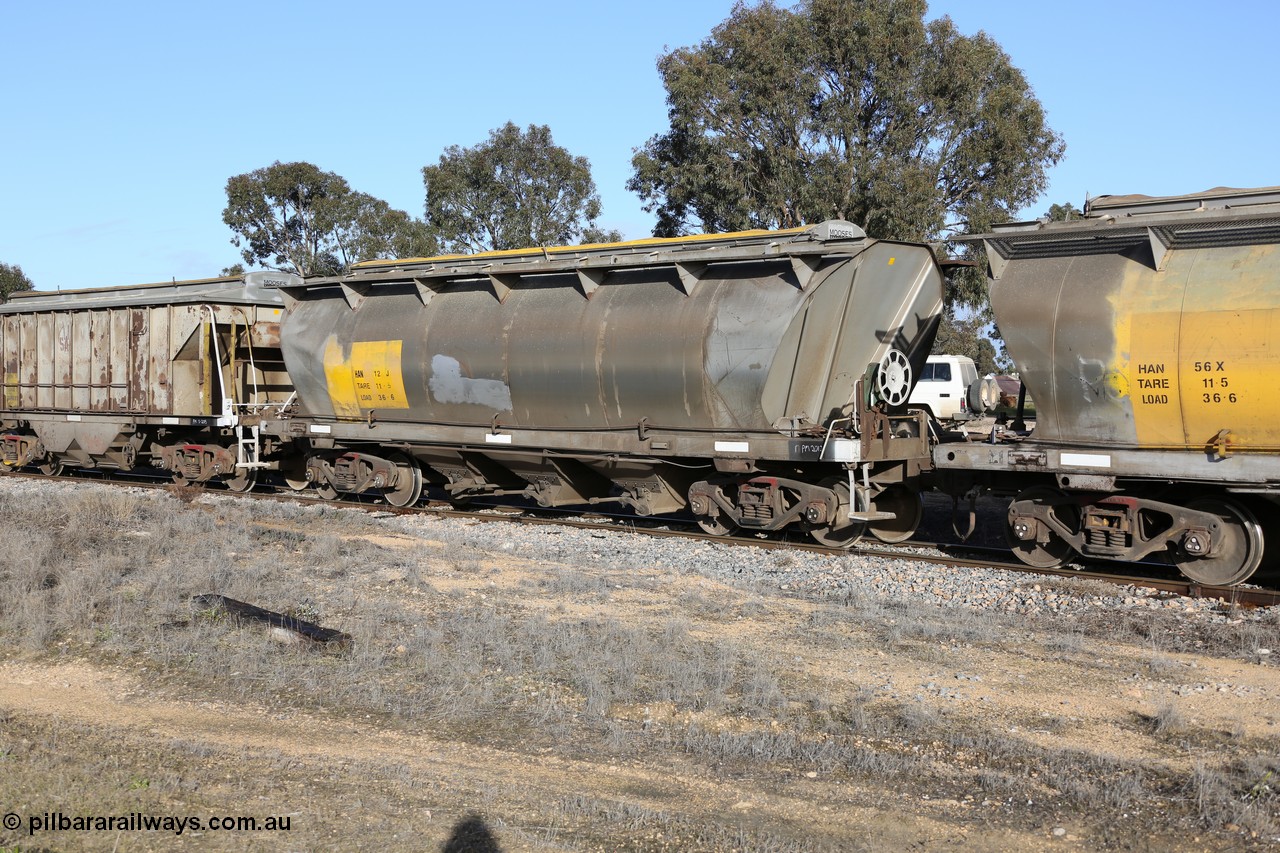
column 471, row 835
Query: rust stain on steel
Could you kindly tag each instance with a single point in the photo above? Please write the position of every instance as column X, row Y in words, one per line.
column 265, row 335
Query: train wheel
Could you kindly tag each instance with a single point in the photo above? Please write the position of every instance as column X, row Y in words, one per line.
column 903, row 503
column 408, row 479
column 1042, row 555
column 244, row 481
column 701, row 504
column 1268, row 515
column 1237, row 545
column 293, row 470
column 830, row 533
column 52, row 468
column 326, row 492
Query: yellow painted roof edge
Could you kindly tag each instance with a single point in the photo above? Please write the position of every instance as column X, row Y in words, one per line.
column 536, row 250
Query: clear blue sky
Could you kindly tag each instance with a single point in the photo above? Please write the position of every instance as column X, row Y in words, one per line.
column 123, row 121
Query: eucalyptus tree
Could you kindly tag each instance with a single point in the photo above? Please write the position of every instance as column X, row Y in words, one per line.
column 13, row 279
column 863, row 111
column 515, row 189
column 295, row 216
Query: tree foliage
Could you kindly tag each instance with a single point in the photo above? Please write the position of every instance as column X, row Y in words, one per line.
column 296, row 217
column 369, row 228
column 1063, row 212
column 965, row 335
column 514, row 190
column 837, row 109
column 13, row 279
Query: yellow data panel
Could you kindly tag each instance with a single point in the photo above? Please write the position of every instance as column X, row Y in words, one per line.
column 369, row 377
column 1151, row 377
column 1229, row 370
column 1191, row 375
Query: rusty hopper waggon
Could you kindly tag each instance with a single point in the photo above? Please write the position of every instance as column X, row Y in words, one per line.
column 174, row 375
column 757, row 379
column 1148, row 334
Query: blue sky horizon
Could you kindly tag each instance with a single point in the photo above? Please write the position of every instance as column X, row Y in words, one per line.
column 126, row 121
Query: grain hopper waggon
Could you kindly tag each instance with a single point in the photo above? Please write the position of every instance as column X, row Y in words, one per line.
column 173, row 375
column 1148, row 334
column 757, row 378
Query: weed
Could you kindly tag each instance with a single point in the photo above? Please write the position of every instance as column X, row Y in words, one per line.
column 307, row 611
column 185, row 493
column 1071, row 640
column 1167, row 719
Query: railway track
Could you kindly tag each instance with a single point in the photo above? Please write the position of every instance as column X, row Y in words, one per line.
column 957, row 556
column 913, row 551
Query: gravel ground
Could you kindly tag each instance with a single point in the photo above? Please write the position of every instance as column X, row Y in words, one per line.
column 820, row 576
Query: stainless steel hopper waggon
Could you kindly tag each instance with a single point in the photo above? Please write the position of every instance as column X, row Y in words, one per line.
column 175, row 375
column 757, row 379
column 1146, row 333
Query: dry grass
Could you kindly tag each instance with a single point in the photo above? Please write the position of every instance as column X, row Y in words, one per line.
column 563, row 661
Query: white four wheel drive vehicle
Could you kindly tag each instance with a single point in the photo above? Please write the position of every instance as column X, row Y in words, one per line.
column 951, row 390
